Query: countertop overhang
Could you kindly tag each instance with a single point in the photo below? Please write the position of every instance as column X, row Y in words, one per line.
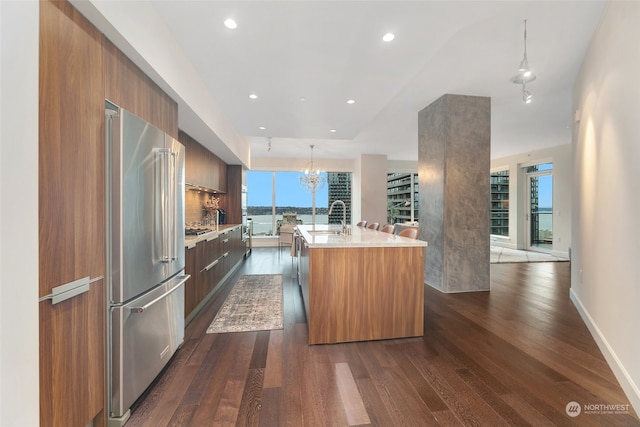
column 326, row 236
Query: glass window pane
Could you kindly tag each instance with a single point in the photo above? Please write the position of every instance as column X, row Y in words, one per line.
column 294, row 200
column 402, row 197
column 540, row 167
column 339, row 184
column 259, row 202
column 499, row 215
column 541, row 210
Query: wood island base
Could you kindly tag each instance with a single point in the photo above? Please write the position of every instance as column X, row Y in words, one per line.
column 363, row 293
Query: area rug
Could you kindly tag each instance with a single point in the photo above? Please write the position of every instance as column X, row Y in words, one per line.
column 501, row 255
column 254, row 304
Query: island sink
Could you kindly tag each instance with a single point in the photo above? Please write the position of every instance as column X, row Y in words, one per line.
column 324, row 232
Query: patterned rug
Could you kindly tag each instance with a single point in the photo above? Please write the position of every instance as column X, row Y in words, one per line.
column 254, row 304
column 501, row 255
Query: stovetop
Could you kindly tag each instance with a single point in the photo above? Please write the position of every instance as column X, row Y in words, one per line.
column 195, row 231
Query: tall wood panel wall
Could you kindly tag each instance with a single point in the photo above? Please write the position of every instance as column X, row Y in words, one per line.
column 232, row 200
column 79, row 69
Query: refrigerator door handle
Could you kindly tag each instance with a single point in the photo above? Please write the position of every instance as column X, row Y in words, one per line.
column 173, row 189
column 165, row 197
column 142, row 308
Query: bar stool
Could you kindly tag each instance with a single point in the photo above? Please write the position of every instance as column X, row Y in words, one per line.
column 389, row 228
column 286, row 236
column 374, row 225
column 410, row 232
column 362, row 223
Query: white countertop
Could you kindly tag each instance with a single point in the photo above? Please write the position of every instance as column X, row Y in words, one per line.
column 191, row 241
column 323, row 236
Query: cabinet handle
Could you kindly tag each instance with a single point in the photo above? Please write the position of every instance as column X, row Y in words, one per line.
column 70, row 290
column 225, row 241
column 210, row 266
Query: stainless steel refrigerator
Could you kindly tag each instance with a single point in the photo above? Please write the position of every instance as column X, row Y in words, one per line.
column 145, row 255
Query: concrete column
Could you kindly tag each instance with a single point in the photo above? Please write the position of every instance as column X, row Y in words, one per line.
column 454, row 160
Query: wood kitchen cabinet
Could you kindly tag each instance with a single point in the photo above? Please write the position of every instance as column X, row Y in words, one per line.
column 233, row 199
column 202, row 167
column 237, row 246
column 211, row 275
column 210, row 263
column 191, row 262
column 78, row 69
column 72, row 373
column 71, row 218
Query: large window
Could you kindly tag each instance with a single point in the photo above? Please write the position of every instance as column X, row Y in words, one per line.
column 259, row 201
column 499, row 215
column 402, row 197
column 274, row 198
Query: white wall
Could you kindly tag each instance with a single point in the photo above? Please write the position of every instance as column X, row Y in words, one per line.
column 373, row 189
column 293, row 164
column 605, row 272
column 561, row 158
column 19, row 400
column 404, row 166
column 152, row 48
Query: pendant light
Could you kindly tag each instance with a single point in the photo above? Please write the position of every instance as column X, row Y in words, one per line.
column 525, row 75
column 312, row 179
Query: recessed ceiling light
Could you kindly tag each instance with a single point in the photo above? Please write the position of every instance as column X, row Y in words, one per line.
column 351, row 101
column 332, row 130
column 253, row 96
column 303, row 99
column 230, row 24
column 388, row 37
column 262, row 128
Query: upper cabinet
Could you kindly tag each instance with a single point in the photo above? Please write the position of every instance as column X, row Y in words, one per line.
column 202, row 167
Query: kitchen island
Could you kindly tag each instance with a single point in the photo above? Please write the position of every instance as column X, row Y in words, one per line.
column 360, row 286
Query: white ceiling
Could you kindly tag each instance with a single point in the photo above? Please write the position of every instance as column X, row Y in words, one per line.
column 331, row 51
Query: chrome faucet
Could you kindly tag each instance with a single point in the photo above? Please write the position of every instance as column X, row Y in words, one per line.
column 344, row 214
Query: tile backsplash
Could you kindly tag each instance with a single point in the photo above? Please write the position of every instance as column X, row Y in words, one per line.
column 194, row 202
column 193, row 206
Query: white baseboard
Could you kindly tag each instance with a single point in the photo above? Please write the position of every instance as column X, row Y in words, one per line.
column 627, row 383
column 502, row 244
column 560, row 254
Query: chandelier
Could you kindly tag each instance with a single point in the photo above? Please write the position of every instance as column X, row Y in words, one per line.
column 311, row 179
column 525, row 75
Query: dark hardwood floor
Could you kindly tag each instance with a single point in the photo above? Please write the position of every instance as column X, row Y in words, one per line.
column 514, row 356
